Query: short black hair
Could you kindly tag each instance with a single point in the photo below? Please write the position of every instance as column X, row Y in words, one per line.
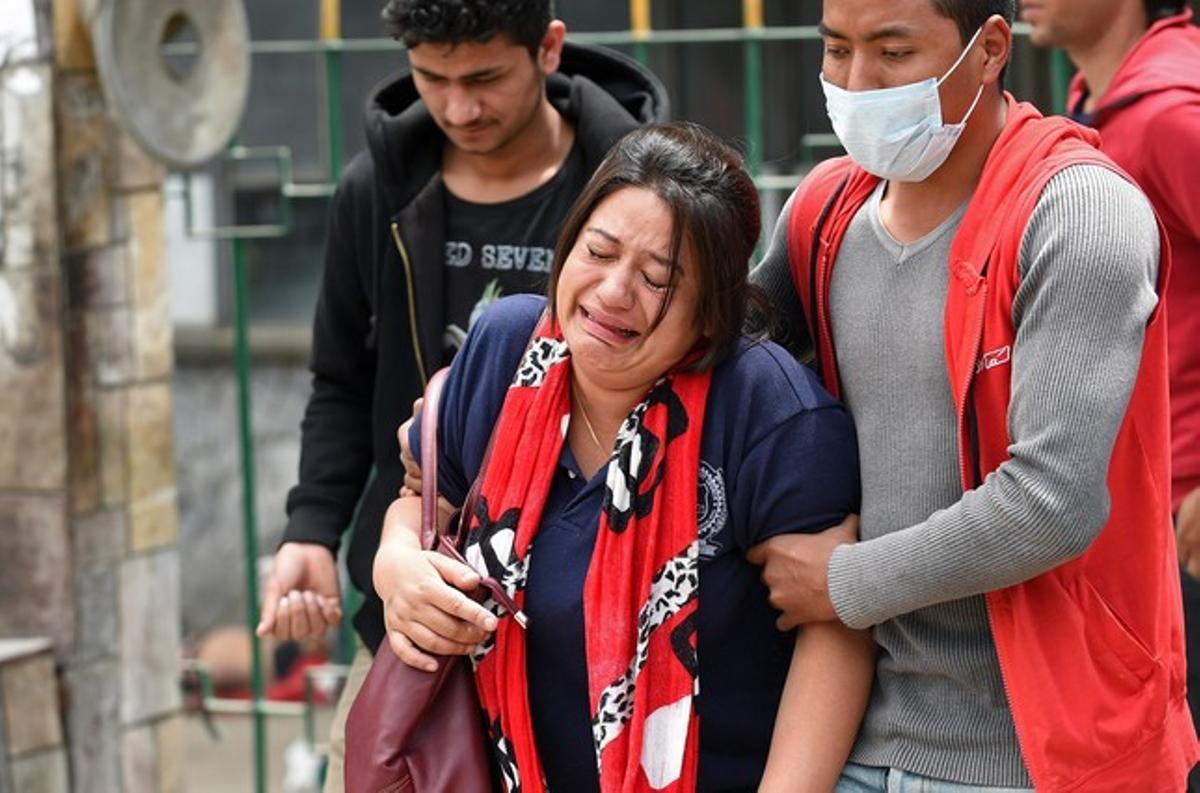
column 458, row 21
column 1158, row 9
column 970, row 15
column 714, row 207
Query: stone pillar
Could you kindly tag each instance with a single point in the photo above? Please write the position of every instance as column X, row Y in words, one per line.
column 34, row 537
column 123, row 675
column 87, row 497
column 36, row 597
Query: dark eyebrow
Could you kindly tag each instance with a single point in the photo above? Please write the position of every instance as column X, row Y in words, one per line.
column 663, row 260
column 481, row 74
column 888, row 32
column 828, row 32
column 892, row 32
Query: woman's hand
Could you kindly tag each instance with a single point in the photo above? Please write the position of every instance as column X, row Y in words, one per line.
column 425, row 602
column 412, row 468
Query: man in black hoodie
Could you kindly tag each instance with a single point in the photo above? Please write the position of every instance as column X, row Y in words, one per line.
column 473, row 161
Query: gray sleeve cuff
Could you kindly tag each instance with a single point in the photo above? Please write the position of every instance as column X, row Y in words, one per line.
column 841, row 578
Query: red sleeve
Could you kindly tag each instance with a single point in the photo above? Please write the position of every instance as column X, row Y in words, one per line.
column 1173, row 167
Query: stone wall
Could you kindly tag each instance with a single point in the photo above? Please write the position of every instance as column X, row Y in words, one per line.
column 87, row 497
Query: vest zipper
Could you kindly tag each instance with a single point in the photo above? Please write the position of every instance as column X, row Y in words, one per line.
column 412, row 304
column 968, row 459
column 971, row 472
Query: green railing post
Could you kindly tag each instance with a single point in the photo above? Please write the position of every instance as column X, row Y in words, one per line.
column 331, row 36
column 331, row 33
column 752, row 111
column 249, row 518
column 639, row 27
column 1060, row 80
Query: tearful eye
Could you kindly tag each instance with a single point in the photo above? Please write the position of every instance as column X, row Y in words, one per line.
column 653, row 284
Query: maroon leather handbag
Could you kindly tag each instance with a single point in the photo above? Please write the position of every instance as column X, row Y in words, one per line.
column 410, row 730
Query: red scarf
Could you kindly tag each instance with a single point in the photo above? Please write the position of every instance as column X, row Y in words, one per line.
column 641, row 592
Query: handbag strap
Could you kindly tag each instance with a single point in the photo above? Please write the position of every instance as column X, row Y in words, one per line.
column 457, row 536
column 432, row 538
column 431, row 535
column 429, row 458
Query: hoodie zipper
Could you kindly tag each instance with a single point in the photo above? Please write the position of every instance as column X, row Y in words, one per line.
column 412, row 303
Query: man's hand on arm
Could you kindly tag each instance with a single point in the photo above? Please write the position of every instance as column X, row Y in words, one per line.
column 1187, row 533
column 301, row 597
column 796, row 570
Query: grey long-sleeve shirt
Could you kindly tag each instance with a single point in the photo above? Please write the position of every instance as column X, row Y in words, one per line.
column 1088, row 265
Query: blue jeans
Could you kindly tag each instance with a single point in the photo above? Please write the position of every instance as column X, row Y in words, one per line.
column 869, row 779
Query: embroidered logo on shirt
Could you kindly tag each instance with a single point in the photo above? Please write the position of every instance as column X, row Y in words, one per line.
column 712, row 509
column 997, row 357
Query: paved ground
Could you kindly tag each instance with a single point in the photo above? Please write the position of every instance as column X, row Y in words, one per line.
column 226, row 765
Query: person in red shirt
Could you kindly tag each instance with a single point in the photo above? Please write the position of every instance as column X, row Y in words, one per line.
column 1139, row 85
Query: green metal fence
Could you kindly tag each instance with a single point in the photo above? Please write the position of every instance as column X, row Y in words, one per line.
column 331, row 47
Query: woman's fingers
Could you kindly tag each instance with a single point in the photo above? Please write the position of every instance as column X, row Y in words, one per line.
column 456, row 602
column 446, row 610
column 454, row 572
column 408, row 654
column 447, row 626
column 425, row 639
column 432, row 630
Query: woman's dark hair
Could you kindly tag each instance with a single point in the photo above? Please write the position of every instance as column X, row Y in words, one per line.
column 1160, row 9
column 457, row 21
column 714, row 207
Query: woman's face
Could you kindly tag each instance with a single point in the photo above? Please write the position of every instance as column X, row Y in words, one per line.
column 611, row 288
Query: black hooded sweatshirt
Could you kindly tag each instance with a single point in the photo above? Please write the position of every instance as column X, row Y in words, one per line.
column 377, row 334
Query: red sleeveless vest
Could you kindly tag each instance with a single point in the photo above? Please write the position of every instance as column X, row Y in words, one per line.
column 1091, row 652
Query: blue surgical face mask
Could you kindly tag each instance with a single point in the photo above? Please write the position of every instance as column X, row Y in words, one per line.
column 897, row 133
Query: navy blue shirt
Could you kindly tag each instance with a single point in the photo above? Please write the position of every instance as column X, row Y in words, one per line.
column 1078, row 114
column 778, row 455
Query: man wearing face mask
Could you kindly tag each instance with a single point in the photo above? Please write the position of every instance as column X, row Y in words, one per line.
column 981, row 287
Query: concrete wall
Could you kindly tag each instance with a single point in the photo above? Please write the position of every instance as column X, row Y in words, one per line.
column 88, row 521
column 208, row 468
